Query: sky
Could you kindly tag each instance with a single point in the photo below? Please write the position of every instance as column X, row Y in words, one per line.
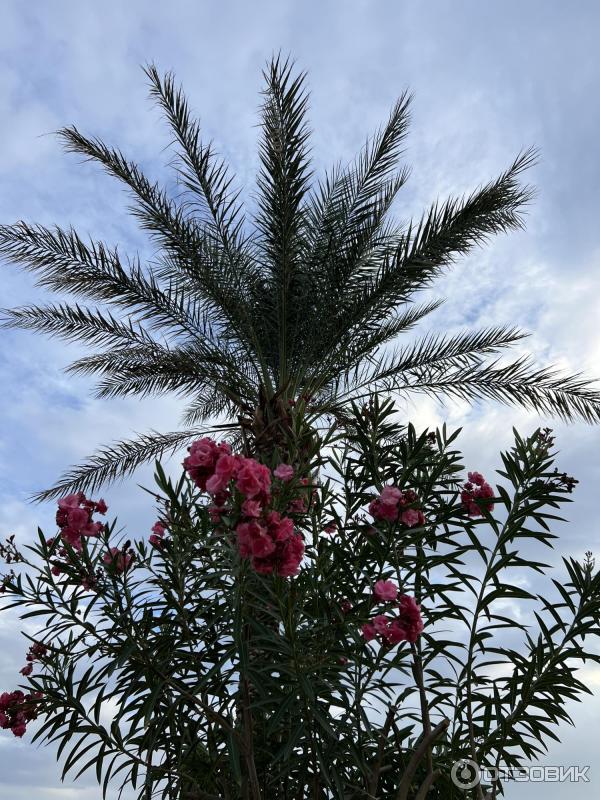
column 488, row 79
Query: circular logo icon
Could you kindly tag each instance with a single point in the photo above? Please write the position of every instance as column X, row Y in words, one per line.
column 465, row 773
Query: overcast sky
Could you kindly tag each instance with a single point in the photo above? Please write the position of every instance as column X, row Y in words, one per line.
column 489, row 79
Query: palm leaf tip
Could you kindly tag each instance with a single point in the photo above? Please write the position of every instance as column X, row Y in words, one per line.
column 115, row 462
column 202, row 174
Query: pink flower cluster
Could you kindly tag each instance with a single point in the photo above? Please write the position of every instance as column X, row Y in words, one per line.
column 37, row 650
column 385, row 591
column 17, row 709
column 156, row 538
column 236, row 482
column 406, row 627
column 477, row 489
column 74, row 519
column 212, row 467
column 272, row 544
column 284, row 472
column 393, row 505
column 118, row 559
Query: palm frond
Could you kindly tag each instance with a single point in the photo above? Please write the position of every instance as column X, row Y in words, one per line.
column 346, row 232
column 358, row 344
column 207, row 179
column 282, row 184
column 344, row 202
column 187, row 244
column 148, row 370
column 211, row 403
column 444, row 233
column 544, row 390
column 72, row 322
column 204, row 175
column 63, row 262
column 435, row 354
column 118, row 460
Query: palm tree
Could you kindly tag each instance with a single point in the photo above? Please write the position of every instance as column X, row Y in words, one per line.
column 303, row 299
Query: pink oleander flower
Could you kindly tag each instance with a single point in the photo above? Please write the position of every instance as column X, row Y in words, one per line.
column 406, row 627
column 251, row 508
column 408, row 496
column 253, row 480
column 202, row 460
column 77, row 517
column 92, row 529
column 284, row 472
column 37, row 650
column 476, row 478
column 410, row 618
column 412, row 517
column 272, row 544
column 72, row 537
column 297, row 506
column 346, row 606
column 158, row 529
column 385, row 591
column 368, row 631
column 390, row 496
column 26, row 670
column 293, row 551
column 101, row 507
column 226, row 468
column 246, row 533
column 382, row 511
column 395, row 633
column 331, row 528
column 71, row 501
column 380, row 623
column 391, row 506
column 280, row 528
column 475, row 490
column 117, row 559
column 7, row 698
column 262, row 546
column 17, row 709
column 74, row 518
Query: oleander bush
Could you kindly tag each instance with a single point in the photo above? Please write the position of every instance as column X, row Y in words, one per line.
column 350, row 628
